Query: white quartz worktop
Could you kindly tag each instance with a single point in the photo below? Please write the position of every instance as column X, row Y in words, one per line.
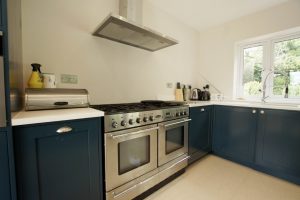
column 281, row 106
column 44, row 116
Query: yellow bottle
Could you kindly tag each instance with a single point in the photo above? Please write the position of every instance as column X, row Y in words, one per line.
column 178, row 93
column 35, row 80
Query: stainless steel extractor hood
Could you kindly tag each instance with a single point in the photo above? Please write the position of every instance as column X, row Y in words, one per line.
column 126, row 28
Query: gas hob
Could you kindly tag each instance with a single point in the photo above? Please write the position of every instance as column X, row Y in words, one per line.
column 130, row 115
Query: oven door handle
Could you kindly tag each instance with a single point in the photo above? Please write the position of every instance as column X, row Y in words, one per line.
column 183, row 121
column 133, row 133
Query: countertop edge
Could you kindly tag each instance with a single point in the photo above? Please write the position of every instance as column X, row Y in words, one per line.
column 245, row 104
column 47, row 116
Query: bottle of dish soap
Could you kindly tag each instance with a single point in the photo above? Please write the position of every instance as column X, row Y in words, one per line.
column 35, row 80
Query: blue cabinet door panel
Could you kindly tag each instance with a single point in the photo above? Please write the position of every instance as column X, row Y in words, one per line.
column 234, row 133
column 199, row 132
column 4, row 168
column 2, row 13
column 59, row 166
column 278, row 141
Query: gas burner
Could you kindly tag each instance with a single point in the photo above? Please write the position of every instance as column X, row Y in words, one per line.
column 110, row 109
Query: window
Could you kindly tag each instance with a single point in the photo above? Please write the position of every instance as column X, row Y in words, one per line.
column 269, row 66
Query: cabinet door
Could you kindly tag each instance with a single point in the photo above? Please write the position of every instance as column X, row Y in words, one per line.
column 199, row 132
column 278, row 141
column 234, row 133
column 59, row 166
column 4, row 168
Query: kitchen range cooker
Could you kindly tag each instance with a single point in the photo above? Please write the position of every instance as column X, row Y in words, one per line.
column 145, row 143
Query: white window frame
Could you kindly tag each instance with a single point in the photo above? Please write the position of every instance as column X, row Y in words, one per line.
column 268, row 43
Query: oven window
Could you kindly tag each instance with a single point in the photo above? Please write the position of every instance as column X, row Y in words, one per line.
column 133, row 154
column 174, row 139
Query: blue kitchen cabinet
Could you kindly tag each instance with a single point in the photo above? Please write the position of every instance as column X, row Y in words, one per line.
column 5, row 189
column 59, row 166
column 278, row 143
column 1, row 14
column 234, row 133
column 199, row 132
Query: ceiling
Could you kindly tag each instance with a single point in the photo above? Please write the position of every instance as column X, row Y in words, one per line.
column 202, row 14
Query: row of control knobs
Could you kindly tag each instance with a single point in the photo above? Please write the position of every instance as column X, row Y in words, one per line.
column 181, row 113
column 138, row 120
column 145, row 119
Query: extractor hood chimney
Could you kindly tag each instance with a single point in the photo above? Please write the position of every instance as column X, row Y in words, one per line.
column 127, row 28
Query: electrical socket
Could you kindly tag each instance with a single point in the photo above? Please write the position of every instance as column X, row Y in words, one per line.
column 169, row 85
column 69, row 79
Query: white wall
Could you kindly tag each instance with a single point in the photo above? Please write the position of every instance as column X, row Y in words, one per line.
column 57, row 34
column 216, row 45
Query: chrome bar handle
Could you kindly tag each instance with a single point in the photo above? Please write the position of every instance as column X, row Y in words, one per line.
column 131, row 188
column 186, row 158
column 148, row 179
column 64, row 130
column 183, row 121
column 133, row 133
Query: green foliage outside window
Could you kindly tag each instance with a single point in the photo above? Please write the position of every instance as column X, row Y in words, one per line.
column 286, row 69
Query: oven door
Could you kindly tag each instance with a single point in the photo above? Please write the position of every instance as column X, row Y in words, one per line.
column 129, row 154
column 172, row 140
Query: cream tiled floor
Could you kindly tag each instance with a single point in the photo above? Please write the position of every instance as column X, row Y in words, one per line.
column 214, row 178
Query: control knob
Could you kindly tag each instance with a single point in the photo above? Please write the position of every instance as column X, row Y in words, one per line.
column 138, row 120
column 145, row 119
column 177, row 114
column 151, row 118
column 130, row 121
column 123, row 123
column 115, row 125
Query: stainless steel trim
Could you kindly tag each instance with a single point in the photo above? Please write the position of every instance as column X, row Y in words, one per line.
column 131, row 188
column 133, row 133
column 136, row 187
column 113, row 178
column 3, row 118
column 64, row 130
column 149, row 179
column 183, row 121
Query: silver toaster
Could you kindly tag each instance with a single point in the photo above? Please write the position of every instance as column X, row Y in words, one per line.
column 55, row 98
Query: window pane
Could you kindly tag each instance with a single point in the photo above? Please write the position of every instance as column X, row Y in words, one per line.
column 287, row 68
column 252, row 78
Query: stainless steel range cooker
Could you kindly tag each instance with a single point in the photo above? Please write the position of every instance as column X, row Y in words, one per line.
column 145, row 143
